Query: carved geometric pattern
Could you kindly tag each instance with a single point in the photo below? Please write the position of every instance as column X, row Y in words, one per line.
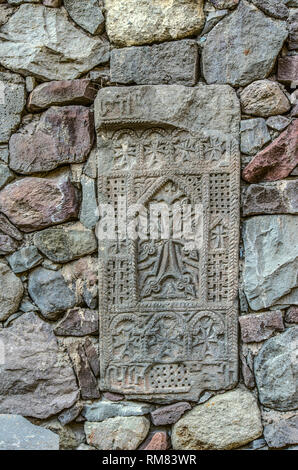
column 167, row 304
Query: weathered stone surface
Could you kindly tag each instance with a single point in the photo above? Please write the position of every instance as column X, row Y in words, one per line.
column 143, row 23
column 24, row 259
column 276, row 371
column 12, row 103
column 78, row 322
column 232, row 54
column 6, row 176
column 264, row 98
column 35, row 203
column 71, row 414
column 52, row 3
column 293, row 28
column 279, row 197
column 91, row 351
column 86, row 378
column 254, row 135
column 145, row 356
column 9, row 229
column 277, row 160
column 275, row 8
column 224, row 422
column 282, row 433
column 287, row 71
column 159, row 441
column 70, row 436
column 50, row 292
column 41, row 41
column 168, row 63
column 89, row 211
column 5, row 13
column 247, row 372
column 86, row 14
column 106, row 409
column 11, row 292
column 113, row 396
column 212, row 19
column 64, row 244
column 63, row 92
column 117, row 433
column 7, row 244
column 169, row 414
column 261, row 326
column 220, row 4
column 266, row 241
column 17, row 433
column 292, row 315
column 66, row 133
column 35, row 379
column 4, row 153
column 278, row 123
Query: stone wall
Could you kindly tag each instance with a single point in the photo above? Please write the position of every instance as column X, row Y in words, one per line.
column 54, row 58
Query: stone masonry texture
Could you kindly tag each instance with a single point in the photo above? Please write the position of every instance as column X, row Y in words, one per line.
column 148, row 225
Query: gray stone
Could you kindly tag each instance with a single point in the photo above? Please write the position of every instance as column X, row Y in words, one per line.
column 4, row 153
column 254, row 135
column 71, row 414
column 224, row 3
column 275, row 8
column 212, row 19
column 87, row 14
column 89, row 211
column 278, row 197
column 271, row 261
column 27, row 306
column 121, row 433
column 169, row 414
column 9, row 229
column 226, row 421
column 278, row 123
column 260, row 326
column 36, row 379
column 276, row 371
column 5, row 13
column 282, row 433
column 6, row 176
column 91, row 351
column 166, row 63
column 12, row 102
column 292, row 315
column 90, row 168
column 50, row 292
column 11, row 292
column 24, row 259
column 232, row 54
column 64, row 244
column 17, row 433
column 143, row 23
column 78, row 322
column 7, row 244
column 70, row 436
column 106, row 409
column 264, row 98
column 42, row 42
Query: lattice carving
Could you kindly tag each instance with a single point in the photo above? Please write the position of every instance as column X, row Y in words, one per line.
column 168, row 313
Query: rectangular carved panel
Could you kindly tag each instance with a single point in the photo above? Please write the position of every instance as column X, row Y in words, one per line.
column 168, row 295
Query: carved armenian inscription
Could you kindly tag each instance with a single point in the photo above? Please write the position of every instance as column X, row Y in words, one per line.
column 168, row 190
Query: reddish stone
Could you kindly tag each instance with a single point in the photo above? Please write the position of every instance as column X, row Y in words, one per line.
column 169, row 414
column 260, row 326
column 9, row 229
column 35, row 203
column 159, row 441
column 292, row 314
column 62, row 135
column 248, row 376
column 113, row 396
column 277, row 197
column 277, row 160
column 83, row 370
column 288, row 69
column 64, row 92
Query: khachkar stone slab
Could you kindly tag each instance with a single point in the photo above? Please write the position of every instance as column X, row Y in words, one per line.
column 168, row 303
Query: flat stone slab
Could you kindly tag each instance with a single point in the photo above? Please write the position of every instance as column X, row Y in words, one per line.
column 168, row 63
column 12, row 90
column 107, row 409
column 17, row 433
column 278, row 197
column 169, row 143
column 270, row 245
